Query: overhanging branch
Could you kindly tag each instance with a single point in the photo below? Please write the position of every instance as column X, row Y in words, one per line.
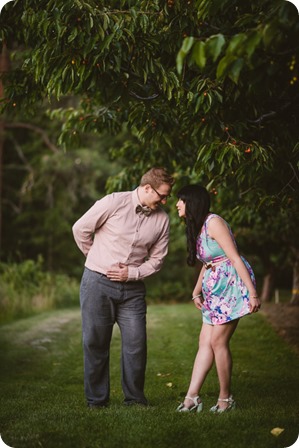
column 144, row 98
column 36, row 129
column 274, row 113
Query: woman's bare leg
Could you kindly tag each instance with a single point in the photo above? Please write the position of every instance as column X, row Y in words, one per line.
column 220, row 340
column 202, row 364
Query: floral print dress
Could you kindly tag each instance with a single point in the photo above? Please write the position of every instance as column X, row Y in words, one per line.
column 225, row 295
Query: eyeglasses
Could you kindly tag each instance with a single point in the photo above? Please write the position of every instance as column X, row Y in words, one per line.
column 161, row 196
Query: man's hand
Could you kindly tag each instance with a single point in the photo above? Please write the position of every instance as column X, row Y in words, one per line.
column 118, row 272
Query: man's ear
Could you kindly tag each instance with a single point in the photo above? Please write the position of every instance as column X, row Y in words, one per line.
column 147, row 187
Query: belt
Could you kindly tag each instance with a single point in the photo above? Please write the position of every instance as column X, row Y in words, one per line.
column 211, row 264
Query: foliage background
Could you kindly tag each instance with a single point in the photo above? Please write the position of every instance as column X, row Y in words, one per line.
column 93, row 93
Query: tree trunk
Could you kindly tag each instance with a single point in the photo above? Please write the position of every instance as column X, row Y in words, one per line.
column 268, row 284
column 295, row 289
column 4, row 67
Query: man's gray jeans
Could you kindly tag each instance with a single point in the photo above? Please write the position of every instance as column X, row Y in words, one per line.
column 103, row 303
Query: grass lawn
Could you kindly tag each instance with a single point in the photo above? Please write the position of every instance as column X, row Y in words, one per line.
column 43, row 406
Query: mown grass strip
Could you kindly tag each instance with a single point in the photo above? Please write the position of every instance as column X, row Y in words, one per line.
column 42, row 401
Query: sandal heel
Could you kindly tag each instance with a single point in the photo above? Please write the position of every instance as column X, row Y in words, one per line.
column 198, row 405
column 231, row 405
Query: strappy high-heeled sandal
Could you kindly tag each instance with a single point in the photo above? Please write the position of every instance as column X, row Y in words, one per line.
column 198, row 406
column 231, row 405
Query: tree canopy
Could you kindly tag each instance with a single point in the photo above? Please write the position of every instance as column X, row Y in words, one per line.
column 207, row 89
column 209, row 86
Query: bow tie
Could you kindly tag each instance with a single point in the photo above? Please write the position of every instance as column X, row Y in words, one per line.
column 145, row 210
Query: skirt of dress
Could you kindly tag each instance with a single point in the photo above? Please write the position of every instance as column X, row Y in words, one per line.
column 226, row 297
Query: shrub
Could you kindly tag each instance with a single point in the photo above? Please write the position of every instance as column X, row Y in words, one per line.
column 26, row 289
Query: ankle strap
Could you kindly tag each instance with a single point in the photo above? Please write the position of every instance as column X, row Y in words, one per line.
column 194, row 399
column 227, row 400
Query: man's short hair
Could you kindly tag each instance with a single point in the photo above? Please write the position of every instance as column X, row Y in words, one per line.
column 156, row 177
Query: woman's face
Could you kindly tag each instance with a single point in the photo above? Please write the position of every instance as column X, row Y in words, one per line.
column 181, row 207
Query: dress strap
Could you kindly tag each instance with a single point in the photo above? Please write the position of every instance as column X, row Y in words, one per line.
column 211, row 215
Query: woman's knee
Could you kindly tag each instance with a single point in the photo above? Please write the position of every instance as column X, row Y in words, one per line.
column 204, row 339
column 221, row 336
column 219, row 343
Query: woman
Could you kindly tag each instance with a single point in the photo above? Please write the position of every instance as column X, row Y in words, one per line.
column 224, row 292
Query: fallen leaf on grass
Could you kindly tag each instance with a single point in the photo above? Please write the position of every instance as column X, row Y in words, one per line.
column 277, row 431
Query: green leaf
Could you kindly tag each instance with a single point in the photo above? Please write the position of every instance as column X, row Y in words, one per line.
column 187, row 44
column 73, row 35
column 252, row 42
column 214, row 45
column 65, row 70
column 190, row 96
column 236, row 45
column 269, row 33
column 90, row 21
column 199, row 102
column 185, row 48
column 180, row 61
column 235, row 70
column 224, row 65
column 106, row 21
column 101, row 32
column 198, row 54
column 211, row 166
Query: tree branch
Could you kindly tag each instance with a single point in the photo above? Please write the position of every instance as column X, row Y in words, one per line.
column 288, row 184
column 273, row 113
column 152, row 97
column 263, row 117
column 36, row 129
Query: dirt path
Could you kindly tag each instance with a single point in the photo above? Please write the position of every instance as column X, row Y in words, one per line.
column 41, row 330
column 284, row 317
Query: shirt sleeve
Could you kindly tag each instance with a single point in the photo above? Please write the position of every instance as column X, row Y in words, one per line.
column 85, row 227
column 155, row 258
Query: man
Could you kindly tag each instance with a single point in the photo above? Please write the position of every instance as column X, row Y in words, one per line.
column 124, row 237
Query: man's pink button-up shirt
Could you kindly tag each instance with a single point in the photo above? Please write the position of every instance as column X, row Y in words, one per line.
column 112, row 232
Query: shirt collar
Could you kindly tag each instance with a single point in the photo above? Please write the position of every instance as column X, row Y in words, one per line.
column 135, row 198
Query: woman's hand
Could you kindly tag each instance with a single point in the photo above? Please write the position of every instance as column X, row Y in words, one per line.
column 198, row 302
column 197, row 299
column 254, row 303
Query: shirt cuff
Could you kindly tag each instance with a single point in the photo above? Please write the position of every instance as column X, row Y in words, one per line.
column 133, row 273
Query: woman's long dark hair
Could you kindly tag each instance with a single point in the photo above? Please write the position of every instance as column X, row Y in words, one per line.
column 197, row 201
